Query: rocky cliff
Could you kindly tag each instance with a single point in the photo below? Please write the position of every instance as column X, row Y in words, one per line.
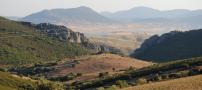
column 65, row 34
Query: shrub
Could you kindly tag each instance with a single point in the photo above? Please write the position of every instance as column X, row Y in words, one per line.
column 185, row 73
column 67, row 77
column 100, row 88
column 165, row 76
column 121, row 83
column 105, row 74
column 113, row 87
column 79, row 74
column 3, row 69
column 141, row 81
column 113, row 69
column 47, row 85
column 157, row 77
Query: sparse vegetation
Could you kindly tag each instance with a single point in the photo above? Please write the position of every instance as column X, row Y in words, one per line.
column 141, row 81
column 21, row 45
column 121, row 83
column 12, row 82
column 67, row 77
column 154, row 73
column 179, row 45
column 187, row 83
column 104, row 74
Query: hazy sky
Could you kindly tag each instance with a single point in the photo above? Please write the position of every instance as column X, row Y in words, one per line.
column 25, row 7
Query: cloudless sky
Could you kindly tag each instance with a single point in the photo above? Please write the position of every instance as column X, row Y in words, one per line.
column 26, row 7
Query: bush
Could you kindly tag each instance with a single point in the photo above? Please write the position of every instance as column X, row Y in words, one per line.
column 165, row 76
column 67, row 77
column 157, row 77
column 3, row 69
column 122, row 83
column 100, row 88
column 105, row 74
column 113, row 87
column 141, row 81
column 113, row 69
column 185, row 73
column 79, row 74
column 47, row 85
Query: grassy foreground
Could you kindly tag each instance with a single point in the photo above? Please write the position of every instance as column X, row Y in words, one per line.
column 10, row 81
column 187, row 83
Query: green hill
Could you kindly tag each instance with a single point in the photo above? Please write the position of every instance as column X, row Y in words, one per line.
column 171, row 46
column 22, row 45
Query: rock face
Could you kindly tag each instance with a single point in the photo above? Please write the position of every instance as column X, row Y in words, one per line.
column 60, row 32
column 65, row 34
column 171, row 46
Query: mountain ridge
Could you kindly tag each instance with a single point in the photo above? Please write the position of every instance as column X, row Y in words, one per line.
column 171, row 46
column 79, row 15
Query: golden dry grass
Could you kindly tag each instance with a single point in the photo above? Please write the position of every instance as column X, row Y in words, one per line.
column 101, row 63
column 187, row 83
column 90, row 66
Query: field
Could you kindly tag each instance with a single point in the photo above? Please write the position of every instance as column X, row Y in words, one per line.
column 90, row 66
column 187, row 83
column 153, row 73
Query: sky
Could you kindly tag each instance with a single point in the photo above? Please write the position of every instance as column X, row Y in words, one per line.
column 22, row 8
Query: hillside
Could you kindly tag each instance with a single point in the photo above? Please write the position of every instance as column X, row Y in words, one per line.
column 10, row 81
column 187, row 83
column 98, row 63
column 80, row 15
column 91, row 66
column 151, row 74
column 171, row 46
column 23, row 45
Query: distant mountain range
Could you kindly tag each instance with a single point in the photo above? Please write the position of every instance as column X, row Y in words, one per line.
column 84, row 15
column 80, row 15
column 143, row 13
column 171, row 46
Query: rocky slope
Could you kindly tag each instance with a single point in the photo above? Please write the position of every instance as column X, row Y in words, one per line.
column 20, row 45
column 67, row 35
column 171, row 46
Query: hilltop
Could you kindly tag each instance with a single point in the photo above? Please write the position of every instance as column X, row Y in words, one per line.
column 79, row 15
column 171, row 46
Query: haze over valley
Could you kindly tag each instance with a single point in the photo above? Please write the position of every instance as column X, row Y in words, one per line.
column 100, row 45
column 130, row 26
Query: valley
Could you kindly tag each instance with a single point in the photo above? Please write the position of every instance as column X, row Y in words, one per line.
column 77, row 47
